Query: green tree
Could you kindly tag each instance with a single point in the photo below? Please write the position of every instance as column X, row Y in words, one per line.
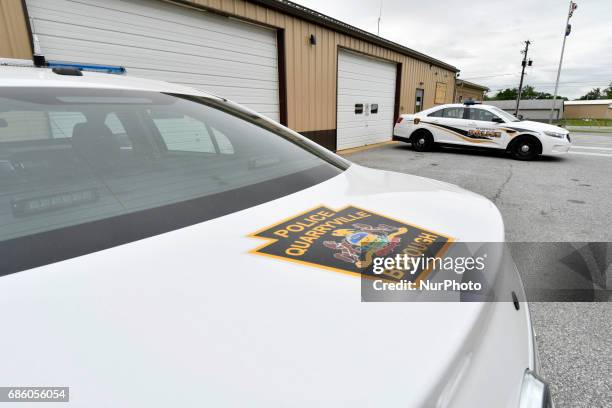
column 507, row 94
column 594, row 93
column 598, row 93
column 608, row 92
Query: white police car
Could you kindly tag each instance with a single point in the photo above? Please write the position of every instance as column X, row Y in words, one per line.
column 480, row 126
column 161, row 246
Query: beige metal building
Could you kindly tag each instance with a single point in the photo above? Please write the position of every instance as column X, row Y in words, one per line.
column 336, row 84
column 465, row 90
column 589, row 109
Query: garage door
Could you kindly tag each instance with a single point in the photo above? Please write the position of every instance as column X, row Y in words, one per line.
column 157, row 40
column 366, row 100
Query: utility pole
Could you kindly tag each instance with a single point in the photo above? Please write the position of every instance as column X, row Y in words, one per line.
column 567, row 29
column 524, row 63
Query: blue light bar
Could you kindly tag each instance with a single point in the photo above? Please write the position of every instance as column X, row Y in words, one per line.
column 108, row 69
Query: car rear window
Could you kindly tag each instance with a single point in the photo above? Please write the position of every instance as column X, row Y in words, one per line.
column 84, row 169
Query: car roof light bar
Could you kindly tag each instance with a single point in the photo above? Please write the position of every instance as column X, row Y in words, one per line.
column 108, row 69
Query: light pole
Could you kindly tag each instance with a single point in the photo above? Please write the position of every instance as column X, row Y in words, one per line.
column 568, row 28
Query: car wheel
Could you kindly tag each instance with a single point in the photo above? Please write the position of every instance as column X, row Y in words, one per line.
column 422, row 141
column 526, row 148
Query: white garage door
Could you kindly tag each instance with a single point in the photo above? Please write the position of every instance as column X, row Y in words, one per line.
column 153, row 39
column 366, row 100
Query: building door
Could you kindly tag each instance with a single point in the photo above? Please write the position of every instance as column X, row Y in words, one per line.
column 159, row 40
column 418, row 101
column 366, row 100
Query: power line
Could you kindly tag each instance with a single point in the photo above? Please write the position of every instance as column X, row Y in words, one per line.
column 570, row 82
column 564, row 84
column 491, row 76
column 547, row 87
column 517, row 73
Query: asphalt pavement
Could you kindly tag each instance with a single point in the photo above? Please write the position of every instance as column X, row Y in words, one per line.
column 553, row 199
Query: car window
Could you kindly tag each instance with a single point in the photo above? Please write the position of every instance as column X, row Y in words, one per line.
column 37, row 125
column 22, row 125
column 482, row 114
column 185, row 134
column 452, row 113
column 436, row 114
column 86, row 169
column 62, row 123
column 505, row 115
column 114, row 124
column 223, row 143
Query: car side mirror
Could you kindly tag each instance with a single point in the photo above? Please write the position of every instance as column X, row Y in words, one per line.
column 497, row 120
column 520, row 117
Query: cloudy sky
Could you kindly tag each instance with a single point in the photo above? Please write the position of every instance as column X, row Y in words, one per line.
column 483, row 38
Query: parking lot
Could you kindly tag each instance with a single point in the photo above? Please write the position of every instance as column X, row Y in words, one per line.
column 553, row 199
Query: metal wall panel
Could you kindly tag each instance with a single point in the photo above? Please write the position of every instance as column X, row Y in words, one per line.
column 465, row 93
column 158, row 40
column 14, row 37
column 603, row 111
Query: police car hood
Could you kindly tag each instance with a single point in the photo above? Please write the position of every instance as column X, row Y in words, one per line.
column 194, row 318
column 537, row 126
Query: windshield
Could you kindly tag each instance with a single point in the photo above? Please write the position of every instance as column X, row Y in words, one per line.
column 505, row 115
column 84, row 169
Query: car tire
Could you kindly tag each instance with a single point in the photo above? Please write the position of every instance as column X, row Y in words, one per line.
column 526, row 148
column 422, row 141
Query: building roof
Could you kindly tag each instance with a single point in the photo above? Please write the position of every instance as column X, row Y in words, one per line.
column 304, row 13
column 471, row 85
column 590, row 102
column 527, row 104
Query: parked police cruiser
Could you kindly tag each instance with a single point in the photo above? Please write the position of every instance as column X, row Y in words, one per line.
column 481, row 126
column 162, row 246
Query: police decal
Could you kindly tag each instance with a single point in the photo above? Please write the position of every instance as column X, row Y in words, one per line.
column 346, row 240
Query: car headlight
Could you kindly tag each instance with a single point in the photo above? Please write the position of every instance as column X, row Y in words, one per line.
column 555, row 134
column 535, row 392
